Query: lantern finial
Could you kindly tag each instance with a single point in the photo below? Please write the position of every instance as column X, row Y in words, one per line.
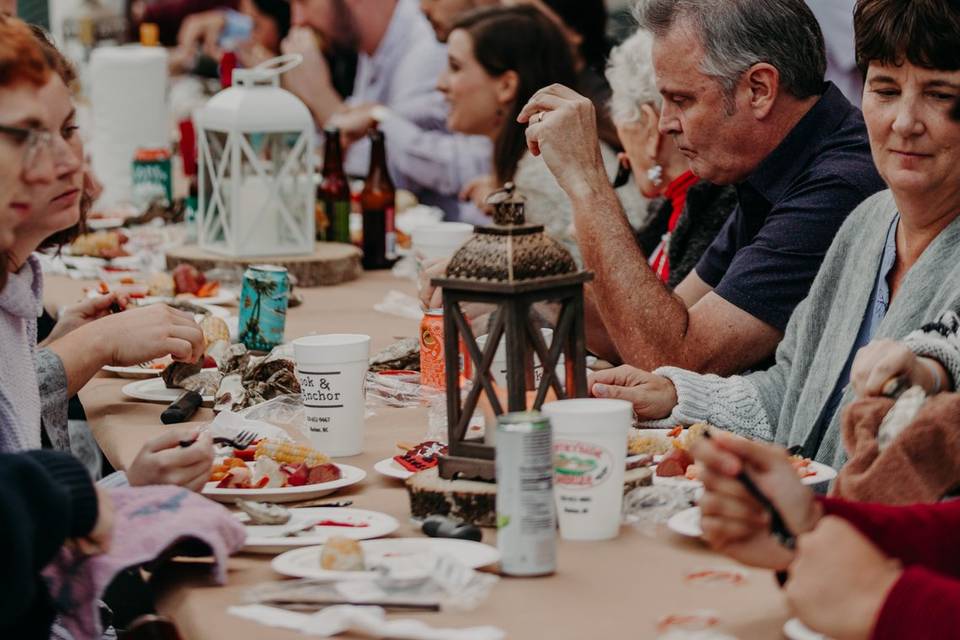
column 507, row 206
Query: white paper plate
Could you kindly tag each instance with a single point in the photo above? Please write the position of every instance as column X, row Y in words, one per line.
column 796, row 630
column 154, row 390
column 823, row 474
column 305, row 562
column 350, row 475
column 378, row 524
column 390, row 468
column 686, row 523
column 137, row 373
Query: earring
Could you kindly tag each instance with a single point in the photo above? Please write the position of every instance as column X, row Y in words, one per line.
column 655, row 175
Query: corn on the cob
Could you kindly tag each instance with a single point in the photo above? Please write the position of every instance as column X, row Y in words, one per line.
column 290, row 453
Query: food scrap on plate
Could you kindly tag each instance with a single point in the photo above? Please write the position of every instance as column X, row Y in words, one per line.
column 272, row 464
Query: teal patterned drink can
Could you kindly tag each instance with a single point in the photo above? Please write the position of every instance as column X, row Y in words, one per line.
column 263, row 306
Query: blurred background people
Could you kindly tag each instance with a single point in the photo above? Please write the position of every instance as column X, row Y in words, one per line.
column 443, row 13
column 253, row 31
column 498, row 58
column 395, row 89
column 686, row 213
column 836, row 21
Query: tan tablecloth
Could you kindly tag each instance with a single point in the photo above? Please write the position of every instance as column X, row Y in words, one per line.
column 617, row 589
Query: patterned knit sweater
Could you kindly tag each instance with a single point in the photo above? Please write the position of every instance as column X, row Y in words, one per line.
column 784, row 403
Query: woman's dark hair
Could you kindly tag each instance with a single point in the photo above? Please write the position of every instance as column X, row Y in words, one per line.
column 68, row 73
column 922, row 32
column 523, row 40
column 589, row 19
column 279, row 10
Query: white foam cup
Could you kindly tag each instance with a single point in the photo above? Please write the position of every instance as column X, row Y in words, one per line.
column 439, row 240
column 332, row 369
column 589, row 455
column 499, row 365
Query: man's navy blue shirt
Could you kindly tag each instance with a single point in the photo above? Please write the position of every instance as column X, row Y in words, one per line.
column 767, row 254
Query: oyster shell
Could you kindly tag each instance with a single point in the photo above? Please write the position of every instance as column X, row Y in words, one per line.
column 206, row 382
column 231, row 395
column 174, row 375
column 264, row 512
column 404, row 354
column 234, row 359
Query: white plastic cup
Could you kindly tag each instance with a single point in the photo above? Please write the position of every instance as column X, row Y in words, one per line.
column 499, row 365
column 589, row 455
column 439, row 240
column 332, row 369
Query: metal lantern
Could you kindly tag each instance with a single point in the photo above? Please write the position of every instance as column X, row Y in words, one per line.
column 255, row 144
column 512, row 265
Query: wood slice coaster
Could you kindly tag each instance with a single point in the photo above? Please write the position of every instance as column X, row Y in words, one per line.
column 464, row 500
column 476, row 502
column 330, row 263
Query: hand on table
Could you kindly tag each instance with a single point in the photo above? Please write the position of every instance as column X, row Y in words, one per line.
column 163, row 461
column 733, row 522
column 562, row 129
column 431, row 297
column 653, row 397
column 74, row 316
column 99, row 539
column 144, row 333
column 353, row 122
column 839, row 580
column 201, row 31
column 478, row 190
column 881, row 360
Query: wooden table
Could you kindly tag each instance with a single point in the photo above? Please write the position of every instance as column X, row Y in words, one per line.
column 609, row 590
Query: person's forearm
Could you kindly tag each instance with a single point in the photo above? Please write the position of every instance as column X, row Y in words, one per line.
column 918, row 534
column 645, row 321
column 921, row 605
column 83, row 354
column 323, row 104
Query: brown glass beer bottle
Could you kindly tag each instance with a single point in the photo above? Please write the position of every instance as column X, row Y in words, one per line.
column 377, row 202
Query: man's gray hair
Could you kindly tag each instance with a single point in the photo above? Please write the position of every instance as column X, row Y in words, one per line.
column 631, row 77
column 737, row 34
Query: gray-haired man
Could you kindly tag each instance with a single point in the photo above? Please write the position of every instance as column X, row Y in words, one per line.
column 745, row 101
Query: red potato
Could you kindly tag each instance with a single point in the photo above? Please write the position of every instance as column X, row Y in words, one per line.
column 674, row 464
column 187, row 279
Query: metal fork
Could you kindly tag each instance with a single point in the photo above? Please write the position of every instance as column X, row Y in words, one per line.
column 243, row 440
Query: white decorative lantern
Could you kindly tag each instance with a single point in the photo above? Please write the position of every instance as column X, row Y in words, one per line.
column 255, row 141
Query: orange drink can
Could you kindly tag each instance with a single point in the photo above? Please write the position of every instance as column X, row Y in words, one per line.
column 432, row 368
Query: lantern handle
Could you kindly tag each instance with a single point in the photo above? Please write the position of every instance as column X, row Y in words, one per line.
column 280, row 64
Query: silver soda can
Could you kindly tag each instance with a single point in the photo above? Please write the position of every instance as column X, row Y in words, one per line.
column 526, row 514
column 263, row 306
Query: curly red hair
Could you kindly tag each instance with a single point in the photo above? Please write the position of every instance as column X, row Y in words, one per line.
column 21, row 58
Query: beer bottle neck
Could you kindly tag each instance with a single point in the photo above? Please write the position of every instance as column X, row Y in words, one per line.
column 378, row 175
column 332, row 155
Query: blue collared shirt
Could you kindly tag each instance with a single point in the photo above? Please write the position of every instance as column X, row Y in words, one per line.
column 872, row 317
column 423, row 155
column 790, row 208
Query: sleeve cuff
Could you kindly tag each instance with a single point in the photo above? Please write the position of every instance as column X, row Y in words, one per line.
column 921, row 605
column 70, row 474
column 940, row 341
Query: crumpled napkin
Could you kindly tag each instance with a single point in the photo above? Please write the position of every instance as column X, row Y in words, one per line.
column 370, row 621
column 400, row 304
column 228, row 424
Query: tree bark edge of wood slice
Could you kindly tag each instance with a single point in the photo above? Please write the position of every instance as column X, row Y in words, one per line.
column 330, row 264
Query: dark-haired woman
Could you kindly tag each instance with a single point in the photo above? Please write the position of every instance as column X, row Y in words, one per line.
column 498, row 58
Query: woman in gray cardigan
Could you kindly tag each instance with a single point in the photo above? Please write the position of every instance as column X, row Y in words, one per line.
column 893, row 267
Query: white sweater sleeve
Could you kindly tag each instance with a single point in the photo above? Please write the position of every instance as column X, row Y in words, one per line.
column 729, row 403
column 939, row 340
